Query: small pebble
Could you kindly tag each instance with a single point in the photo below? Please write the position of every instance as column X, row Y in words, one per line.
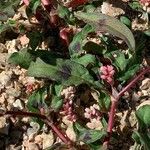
column 18, row 104
column 48, row 140
column 32, row 146
column 4, row 126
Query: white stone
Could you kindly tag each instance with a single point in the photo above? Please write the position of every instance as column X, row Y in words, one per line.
column 48, row 140
column 32, row 146
column 70, row 133
column 145, row 84
column 18, row 104
column 2, row 48
column 13, row 92
column 31, row 132
column 4, row 78
column 11, row 46
column 108, row 9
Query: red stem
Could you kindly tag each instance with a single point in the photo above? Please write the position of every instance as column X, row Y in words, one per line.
column 133, row 82
column 111, row 116
column 115, row 100
column 61, row 135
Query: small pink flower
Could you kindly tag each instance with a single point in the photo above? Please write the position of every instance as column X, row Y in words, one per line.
column 145, row 2
column 67, row 110
column 92, row 112
column 103, row 77
column 107, row 73
column 26, row 2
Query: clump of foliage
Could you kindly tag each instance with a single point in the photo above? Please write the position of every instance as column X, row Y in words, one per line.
column 74, row 60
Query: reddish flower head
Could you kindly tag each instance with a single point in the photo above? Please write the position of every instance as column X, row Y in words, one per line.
column 107, row 73
column 145, row 2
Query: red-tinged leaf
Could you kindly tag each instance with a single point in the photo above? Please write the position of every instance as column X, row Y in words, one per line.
column 102, row 22
column 65, row 34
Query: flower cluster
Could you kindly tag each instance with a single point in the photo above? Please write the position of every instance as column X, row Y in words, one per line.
column 30, row 87
column 92, row 112
column 67, row 109
column 107, row 73
column 68, row 93
column 94, row 115
column 145, row 2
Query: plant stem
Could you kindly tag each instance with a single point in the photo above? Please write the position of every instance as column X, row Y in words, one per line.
column 137, row 78
column 115, row 99
column 61, row 135
column 111, row 116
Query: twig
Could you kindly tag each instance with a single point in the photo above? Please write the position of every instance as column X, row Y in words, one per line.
column 115, row 99
column 133, row 81
column 45, row 119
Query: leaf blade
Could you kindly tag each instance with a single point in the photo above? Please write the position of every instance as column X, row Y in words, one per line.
column 108, row 24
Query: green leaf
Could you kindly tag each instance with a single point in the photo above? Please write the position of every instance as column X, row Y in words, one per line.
column 86, row 60
column 118, row 59
column 143, row 115
column 7, row 9
column 104, row 101
column 96, row 146
column 130, row 72
column 89, row 8
column 37, row 100
column 66, row 72
column 33, row 5
column 108, row 24
column 76, row 46
column 7, row 25
column 22, row 58
column 136, row 137
column 89, row 136
column 56, row 103
column 4, row 27
column 66, row 14
column 135, row 5
column 35, row 38
column 94, row 48
column 142, row 139
column 147, row 32
column 57, row 88
column 125, row 21
column 3, row 16
column 63, row 11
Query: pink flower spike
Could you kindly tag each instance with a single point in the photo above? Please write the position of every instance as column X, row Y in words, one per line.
column 26, row 2
column 145, row 2
column 45, row 2
column 107, row 73
column 103, row 68
column 109, row 68
column 112, row 72
column 109, row 80
column 103, row 77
